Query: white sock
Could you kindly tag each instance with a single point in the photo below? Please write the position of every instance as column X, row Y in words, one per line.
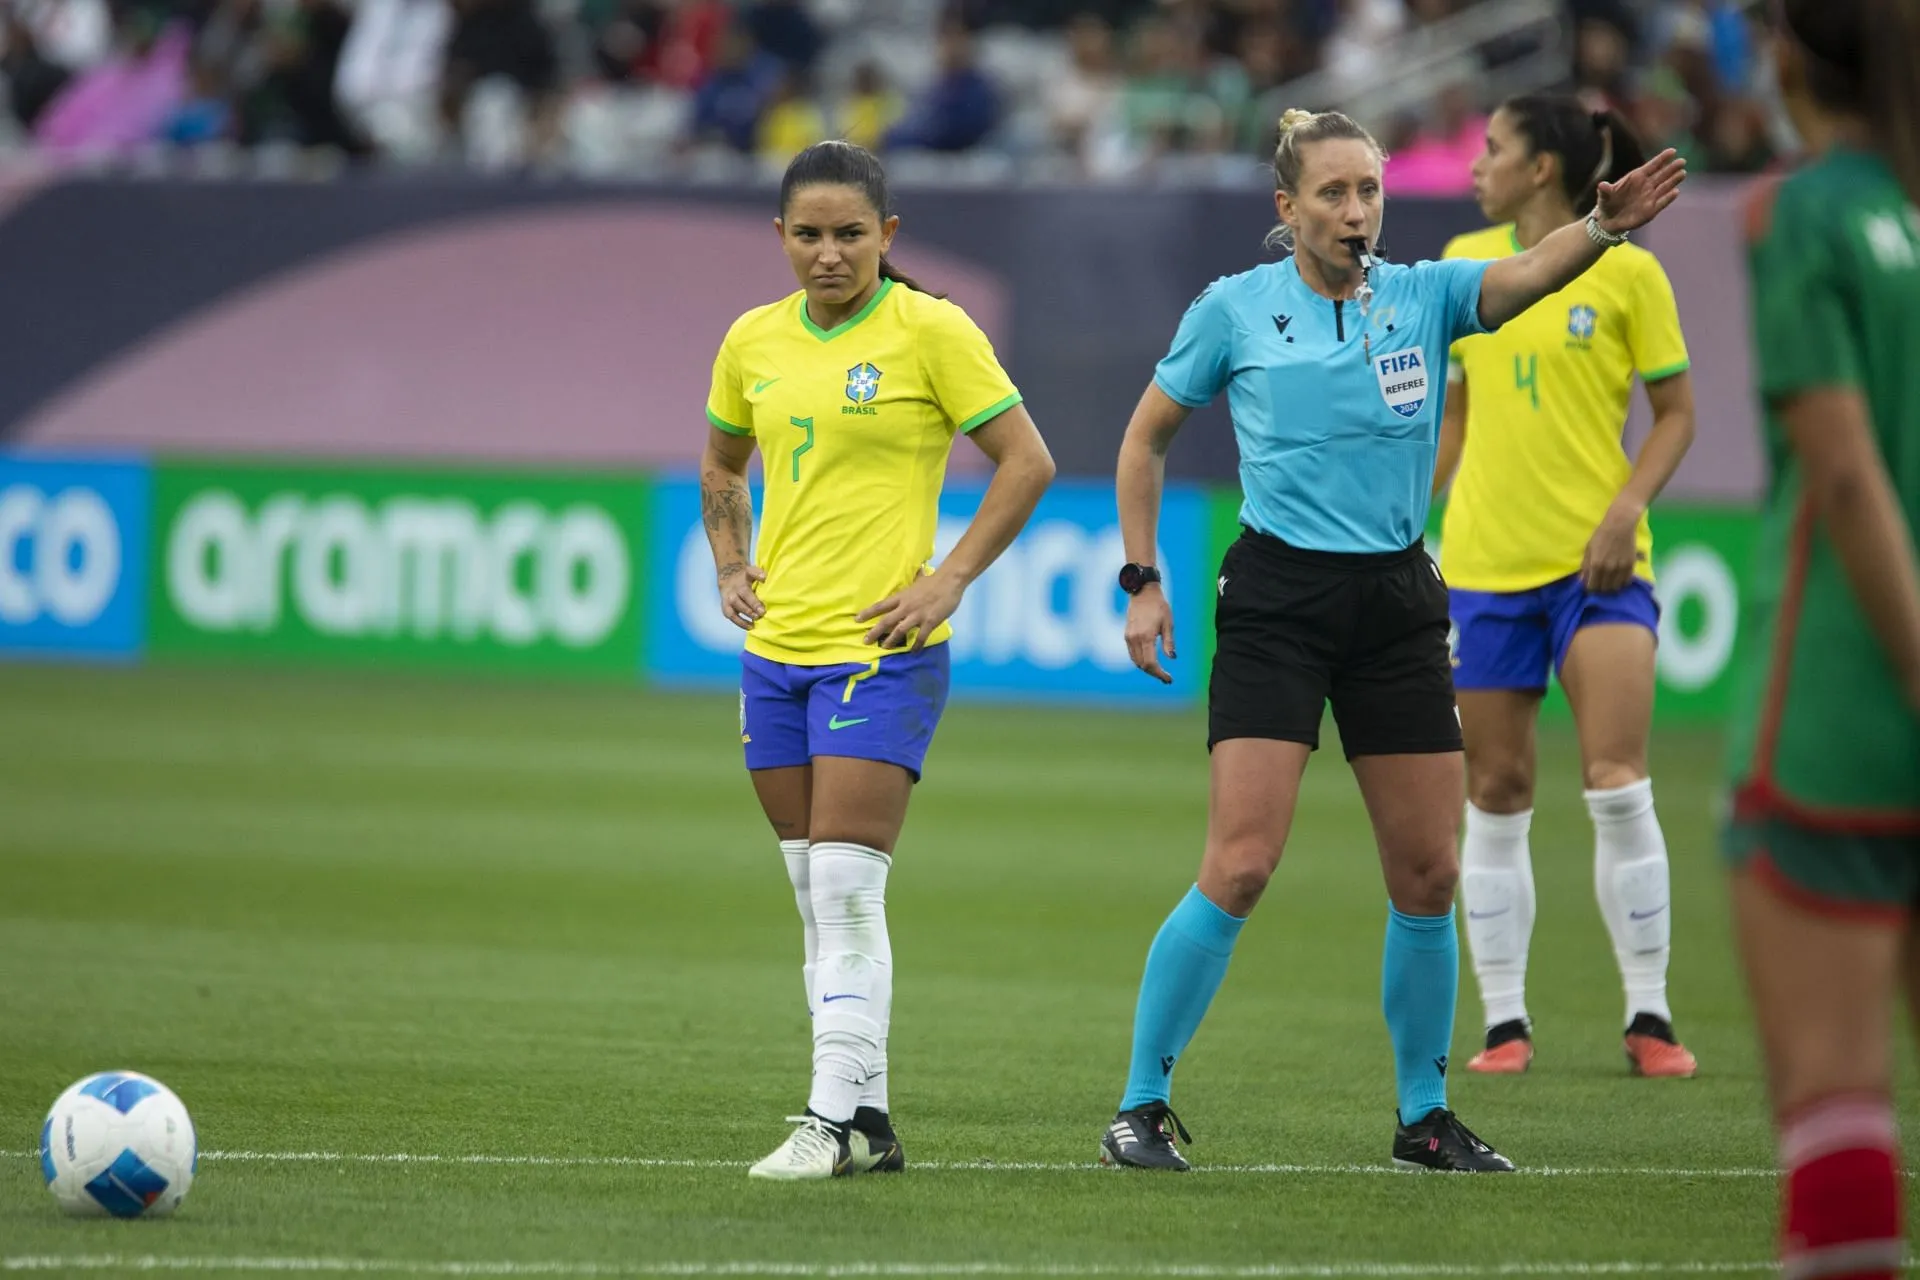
column 853, row 980
column 795, row 853
column 1630, row 879
column 1496, row 881
column 874, row 1092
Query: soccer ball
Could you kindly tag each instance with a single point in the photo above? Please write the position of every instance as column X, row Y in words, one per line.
column 118, row 1143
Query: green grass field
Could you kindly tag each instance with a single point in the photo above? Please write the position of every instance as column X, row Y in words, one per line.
column 504, row 980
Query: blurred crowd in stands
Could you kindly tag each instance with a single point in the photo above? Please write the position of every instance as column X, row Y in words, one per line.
column 1067, row 90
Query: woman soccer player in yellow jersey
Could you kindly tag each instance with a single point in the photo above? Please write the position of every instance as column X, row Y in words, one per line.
column 1547, row 554
column 852, row 389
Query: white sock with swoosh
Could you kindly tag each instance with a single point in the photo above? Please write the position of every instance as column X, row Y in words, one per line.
column 1496, row 882
column 853, row 979
column 1630, row 879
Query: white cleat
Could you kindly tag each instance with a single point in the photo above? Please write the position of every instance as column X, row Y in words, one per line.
column 813, row 1152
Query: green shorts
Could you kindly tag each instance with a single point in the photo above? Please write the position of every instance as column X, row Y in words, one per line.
column 1829, row 871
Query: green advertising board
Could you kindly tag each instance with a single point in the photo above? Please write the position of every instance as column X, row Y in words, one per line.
column 1701, row 561
column 531, row 573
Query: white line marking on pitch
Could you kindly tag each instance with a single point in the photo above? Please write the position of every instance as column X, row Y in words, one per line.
column 944, row 1166
column 837, row 1270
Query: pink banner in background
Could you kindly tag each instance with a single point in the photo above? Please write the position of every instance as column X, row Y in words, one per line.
column 581, row 335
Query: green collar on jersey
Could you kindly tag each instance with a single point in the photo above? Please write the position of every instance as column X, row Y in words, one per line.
column 828, row 335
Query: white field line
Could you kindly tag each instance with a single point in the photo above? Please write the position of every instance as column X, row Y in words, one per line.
column 941, row 1166
column 838, row 1270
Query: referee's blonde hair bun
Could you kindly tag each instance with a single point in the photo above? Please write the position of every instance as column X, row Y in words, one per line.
column 1292, row 118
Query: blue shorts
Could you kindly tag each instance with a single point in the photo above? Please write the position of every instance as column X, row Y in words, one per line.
column 1509, row 639
column 882, row 710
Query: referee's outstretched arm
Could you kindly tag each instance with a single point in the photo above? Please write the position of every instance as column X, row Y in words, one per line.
column 1511, row 285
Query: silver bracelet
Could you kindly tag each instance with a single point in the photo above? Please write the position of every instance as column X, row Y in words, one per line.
column 1600, row 235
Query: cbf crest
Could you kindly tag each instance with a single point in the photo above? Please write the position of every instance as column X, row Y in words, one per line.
column 1403, row 380
column 863, row 383
column 1582, row 323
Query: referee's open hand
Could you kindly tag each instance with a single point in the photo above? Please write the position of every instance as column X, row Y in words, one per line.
column 1635, row 199
column 1149, row 629
column 738, row 600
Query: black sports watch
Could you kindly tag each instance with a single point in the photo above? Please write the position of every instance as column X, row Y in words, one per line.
column 1135, row 577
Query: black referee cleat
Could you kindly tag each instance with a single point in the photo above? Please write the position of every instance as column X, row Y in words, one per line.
column 1438, row 1141
column 874, row 1146
column 1143, row 1139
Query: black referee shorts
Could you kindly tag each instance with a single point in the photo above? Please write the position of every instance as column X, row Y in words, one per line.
column 1297, row 628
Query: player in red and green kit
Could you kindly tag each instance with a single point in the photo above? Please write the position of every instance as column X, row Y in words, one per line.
column 1824, row 833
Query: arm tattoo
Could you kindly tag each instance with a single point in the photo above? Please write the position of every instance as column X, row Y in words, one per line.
column 726, row 508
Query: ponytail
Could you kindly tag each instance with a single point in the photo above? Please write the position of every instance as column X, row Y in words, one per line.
column 890, row 272
column 1620, row 154
column 1593, row 146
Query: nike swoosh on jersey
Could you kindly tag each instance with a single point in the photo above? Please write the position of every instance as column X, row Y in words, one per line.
column 837, row 723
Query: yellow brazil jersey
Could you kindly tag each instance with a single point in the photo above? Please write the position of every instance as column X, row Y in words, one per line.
column 854, row 425
column 1547, row 398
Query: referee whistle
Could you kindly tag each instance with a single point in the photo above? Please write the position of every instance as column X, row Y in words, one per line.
column 1364, row 257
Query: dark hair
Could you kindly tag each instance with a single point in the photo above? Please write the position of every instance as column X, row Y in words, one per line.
column 1593, row 146
column 1862, row 58
column 845, row 164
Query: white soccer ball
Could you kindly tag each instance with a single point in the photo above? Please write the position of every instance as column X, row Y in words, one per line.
column 120, row 1144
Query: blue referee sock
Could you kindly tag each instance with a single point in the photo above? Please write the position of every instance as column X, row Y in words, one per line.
column 1184, row 968
column 1419, row 982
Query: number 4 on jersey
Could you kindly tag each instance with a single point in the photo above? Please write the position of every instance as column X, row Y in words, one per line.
column 1526, row 376
column 805, row 424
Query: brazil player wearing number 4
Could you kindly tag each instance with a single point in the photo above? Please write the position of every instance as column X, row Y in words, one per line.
column 1549, row 559
column 1824, row 824
column 853, row 390
column 1331, row 363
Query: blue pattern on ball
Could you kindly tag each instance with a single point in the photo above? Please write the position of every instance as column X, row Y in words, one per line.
column 119, row 1090
column 127, row 1187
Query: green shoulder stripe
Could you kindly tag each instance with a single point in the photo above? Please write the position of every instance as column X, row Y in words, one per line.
column 726, row 426
column 991, row 412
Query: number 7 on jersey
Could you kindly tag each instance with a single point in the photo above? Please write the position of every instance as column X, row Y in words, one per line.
column 805, row 424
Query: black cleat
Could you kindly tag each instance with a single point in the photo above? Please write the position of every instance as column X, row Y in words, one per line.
column 1438, row 1141
column 874, row 1146
column 1652, row 1024
column 1507, row 1032
column 1142, row 1138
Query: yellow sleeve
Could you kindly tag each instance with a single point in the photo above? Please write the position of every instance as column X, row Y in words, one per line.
column 1653, row 325
column 727, row 406
column 963, row 374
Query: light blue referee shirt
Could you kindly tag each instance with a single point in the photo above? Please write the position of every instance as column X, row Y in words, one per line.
column 1337, row 414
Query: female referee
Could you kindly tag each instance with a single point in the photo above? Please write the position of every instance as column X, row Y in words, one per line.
column 1332, row 368
column 852, row 389
column 1547, row 554
column 1825, row 749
